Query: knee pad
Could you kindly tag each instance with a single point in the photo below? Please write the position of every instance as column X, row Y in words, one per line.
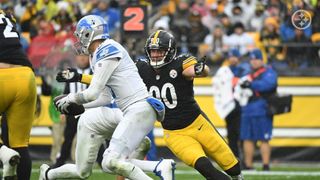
column 235, row 170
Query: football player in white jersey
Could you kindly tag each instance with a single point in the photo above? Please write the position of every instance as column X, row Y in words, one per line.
column 113, row 67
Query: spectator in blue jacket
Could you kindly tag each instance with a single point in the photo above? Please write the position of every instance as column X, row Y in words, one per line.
column 111, row 15
column 256, row 121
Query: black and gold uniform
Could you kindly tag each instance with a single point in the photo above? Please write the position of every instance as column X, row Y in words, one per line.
column 174, row 90
column 188, row 132
column 186, row 128
column 17, row 92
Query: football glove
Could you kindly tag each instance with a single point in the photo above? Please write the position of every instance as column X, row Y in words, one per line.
column 200, row 65
column 65, row 106
column 69, row 75
column 245, row 84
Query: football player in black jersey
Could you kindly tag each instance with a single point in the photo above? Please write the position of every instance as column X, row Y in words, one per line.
column 17, row 100
column 188, row 132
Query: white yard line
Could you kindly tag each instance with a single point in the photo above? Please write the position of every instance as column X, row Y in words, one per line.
column 252, row 173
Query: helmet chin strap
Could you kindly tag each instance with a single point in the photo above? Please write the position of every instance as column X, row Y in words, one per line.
column 156, row 63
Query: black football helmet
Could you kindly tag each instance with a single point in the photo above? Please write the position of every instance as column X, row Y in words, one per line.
column 164, row 41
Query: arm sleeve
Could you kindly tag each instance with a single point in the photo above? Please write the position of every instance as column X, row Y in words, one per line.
column 86, row 78
column 66, row 89
column 103, row 72
column 104, row 98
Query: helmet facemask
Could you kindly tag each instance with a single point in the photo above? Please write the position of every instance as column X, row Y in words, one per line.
column 84, row 37
column 160, row 52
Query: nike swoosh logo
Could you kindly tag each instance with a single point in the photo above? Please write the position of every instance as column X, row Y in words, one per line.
column 200, row 127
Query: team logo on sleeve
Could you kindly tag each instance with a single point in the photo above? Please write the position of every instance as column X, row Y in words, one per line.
column 173, row 73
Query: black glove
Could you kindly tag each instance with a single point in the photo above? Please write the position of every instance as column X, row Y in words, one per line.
column 69, row 75
column 200, row 65
column 245, row 84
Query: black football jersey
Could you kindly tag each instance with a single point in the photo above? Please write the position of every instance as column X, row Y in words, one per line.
column 168, row 84
column 11, row 51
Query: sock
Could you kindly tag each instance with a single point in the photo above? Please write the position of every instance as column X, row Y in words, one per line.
column 148, row 166
column 265, row 167
column 64, row 171
column 138, row 174
column 25, row 165
column 125, row 168
column 206, row 169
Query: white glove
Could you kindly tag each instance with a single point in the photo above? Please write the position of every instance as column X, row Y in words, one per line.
column 63, row 103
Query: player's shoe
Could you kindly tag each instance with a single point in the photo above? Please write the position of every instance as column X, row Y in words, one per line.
column 10, row 159
column 165, row 169
column 142, row 150
column 44, row 168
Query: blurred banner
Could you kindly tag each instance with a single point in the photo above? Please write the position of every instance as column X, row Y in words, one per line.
column 298, row 131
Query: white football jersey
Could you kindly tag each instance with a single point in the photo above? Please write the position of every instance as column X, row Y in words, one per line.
column 125, row 82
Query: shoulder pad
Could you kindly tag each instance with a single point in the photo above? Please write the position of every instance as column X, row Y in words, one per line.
column 143, row 60
column 186, row 60
column 183, row 56
column 107, row 51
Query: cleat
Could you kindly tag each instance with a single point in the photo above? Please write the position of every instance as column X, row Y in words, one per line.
column 165, row 169
column 44, row 168
column 10, row 159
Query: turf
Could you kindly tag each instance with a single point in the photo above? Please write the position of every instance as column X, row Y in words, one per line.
column 294, row 171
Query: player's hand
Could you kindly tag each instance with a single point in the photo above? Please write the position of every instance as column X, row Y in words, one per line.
column 200, row 65
column 245, row 84
column 69, row 75
column 62, row 104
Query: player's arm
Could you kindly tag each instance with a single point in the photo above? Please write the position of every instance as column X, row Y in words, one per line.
column 193, row 68
column 72, row 75
column 102, row 73
column 105, row 98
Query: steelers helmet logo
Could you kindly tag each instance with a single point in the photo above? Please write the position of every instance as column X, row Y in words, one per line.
column 173, row 73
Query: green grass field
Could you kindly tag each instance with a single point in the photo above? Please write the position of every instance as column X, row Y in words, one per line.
column 294, row 171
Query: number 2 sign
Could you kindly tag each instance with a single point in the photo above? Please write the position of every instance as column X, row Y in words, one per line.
column 134, row 21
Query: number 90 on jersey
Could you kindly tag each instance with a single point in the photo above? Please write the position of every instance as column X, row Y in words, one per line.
column 134, row 21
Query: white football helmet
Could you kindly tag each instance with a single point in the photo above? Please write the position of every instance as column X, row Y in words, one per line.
column 89, row 29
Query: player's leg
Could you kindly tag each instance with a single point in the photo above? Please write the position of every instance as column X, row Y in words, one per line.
column 186, row 148
column 233, row 130
column 163, row 168
column 86, row 154
column 20, row 115
column 138, row 121
column 247, row 135
column 216, row 148
column 263, row 132
column 9, row 157
column 88, row 144
column 69, row 133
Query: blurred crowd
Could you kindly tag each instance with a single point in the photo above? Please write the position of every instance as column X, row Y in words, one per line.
column 201, row 27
